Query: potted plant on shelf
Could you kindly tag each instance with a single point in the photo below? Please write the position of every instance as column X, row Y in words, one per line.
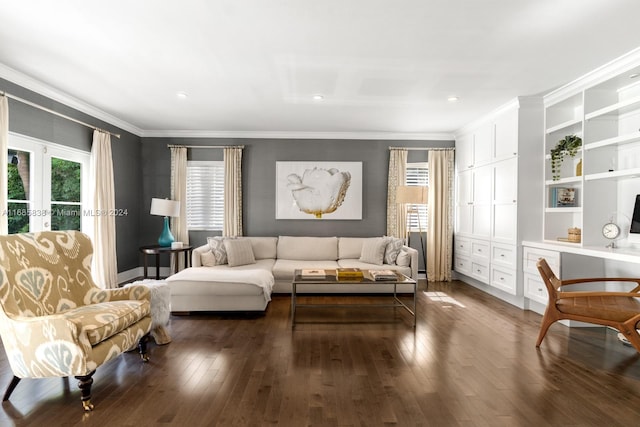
column 568, row 146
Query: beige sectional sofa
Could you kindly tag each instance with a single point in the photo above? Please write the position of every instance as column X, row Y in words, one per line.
column 252, row 268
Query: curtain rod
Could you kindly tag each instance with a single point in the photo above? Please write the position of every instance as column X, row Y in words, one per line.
column 423, row 148
column 55, row 113
column 204, row 146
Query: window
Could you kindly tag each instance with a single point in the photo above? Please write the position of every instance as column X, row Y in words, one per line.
column 205, row 195
column 46, row 186
column 418, row 174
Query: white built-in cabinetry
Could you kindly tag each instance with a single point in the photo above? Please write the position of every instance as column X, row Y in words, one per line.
column 497, row 159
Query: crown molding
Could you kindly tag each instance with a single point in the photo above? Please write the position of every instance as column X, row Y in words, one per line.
column 43, row 89
column 298, row 135
column 617, row 66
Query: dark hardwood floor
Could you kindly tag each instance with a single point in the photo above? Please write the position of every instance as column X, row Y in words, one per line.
column 471, row 361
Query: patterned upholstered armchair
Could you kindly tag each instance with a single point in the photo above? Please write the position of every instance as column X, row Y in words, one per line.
column 54, row 320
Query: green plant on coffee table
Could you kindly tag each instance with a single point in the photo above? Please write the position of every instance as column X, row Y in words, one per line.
column 568, row 146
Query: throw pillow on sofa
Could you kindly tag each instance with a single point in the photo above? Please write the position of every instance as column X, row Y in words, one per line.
column 373, row 250
column 208, row 259
column 394, row 245
column 239, row 252
column 218, row 249
column 403, row 259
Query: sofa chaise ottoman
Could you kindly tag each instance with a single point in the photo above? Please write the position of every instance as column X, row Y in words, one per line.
column 240, row 274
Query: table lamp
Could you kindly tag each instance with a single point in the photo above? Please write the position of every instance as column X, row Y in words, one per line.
column 166, row 208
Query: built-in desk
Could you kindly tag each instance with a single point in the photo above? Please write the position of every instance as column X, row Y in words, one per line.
column 617, row 254
column 570, row 261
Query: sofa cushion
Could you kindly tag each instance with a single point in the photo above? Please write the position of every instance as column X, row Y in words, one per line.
column 308, row 248
column 264, row 247
column 239, row 252
column 394, row 245
column 373, row 250
column 350, row 247
column 218, row 249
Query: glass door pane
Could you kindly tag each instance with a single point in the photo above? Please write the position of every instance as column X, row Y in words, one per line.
column 18, row 191
column 65, row 194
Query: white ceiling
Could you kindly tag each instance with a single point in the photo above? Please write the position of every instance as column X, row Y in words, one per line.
column 385, row 67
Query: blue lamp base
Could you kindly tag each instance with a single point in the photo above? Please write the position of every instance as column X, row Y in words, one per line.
column 166, row 238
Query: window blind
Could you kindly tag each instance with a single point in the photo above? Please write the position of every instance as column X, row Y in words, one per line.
column 418, row 174
column 205, row 195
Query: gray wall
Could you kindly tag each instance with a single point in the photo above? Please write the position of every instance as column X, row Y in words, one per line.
column 142, row 170
column 259, row 169
column 30, row 121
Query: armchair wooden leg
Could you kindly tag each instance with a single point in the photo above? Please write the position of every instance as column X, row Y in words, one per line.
column 84, row 382
column 142, row 347
column 12, row 386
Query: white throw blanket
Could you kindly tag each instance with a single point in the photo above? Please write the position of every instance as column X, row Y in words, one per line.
column 261, row 278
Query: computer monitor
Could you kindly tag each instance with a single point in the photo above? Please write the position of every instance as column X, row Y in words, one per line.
column 634, row 229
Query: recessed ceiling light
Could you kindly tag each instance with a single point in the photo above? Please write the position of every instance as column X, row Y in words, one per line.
column 634, row 75
column 453, row 99
column 318, row 97
column 182, row 95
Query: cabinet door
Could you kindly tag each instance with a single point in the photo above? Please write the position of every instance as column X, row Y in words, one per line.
column 481, row 216
column 464, row 205
column 505, row 181
column 505, row 224
column 483, row 145
column 506, row 139
column 464, row 152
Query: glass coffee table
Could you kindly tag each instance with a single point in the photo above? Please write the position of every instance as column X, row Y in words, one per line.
column 331, row 278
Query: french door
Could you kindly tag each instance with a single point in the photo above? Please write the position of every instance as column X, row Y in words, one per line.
column 48, row 186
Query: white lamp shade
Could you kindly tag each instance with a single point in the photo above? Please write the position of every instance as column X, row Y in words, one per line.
column 165, row 207
column 412, row 194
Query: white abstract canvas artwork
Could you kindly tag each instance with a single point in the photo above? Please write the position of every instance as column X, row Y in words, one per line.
column 319, row 190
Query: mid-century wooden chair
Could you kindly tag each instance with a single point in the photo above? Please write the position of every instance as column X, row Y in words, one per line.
column 620, row 310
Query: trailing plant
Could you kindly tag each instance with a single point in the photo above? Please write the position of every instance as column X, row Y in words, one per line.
column 568, row 146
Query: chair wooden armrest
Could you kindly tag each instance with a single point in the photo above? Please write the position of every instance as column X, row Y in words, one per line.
column 617, row 309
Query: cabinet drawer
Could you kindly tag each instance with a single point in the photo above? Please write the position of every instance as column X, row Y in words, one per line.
column 480, row 271
column 480, row 249
column 504, row 279
column 530, row 257
column 462, row 246
column 462, row 265
column 504, row 255
column 535, row 289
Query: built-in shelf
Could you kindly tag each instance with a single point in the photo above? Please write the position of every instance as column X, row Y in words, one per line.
column 564, row 125
column 578, row 154
column 616, row 140
column 562, row 181
column 561, row 242
column 576, row 209
column 618, row 107
column 614, row 175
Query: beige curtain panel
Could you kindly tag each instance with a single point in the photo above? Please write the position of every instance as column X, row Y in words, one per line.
column 232, row 192
column 440, row 215
column 4, row 145
column 396, row 214
column 105, row 262
column 179, row 193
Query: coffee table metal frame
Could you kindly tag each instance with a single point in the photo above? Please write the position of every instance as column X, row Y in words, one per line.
column 332, row 279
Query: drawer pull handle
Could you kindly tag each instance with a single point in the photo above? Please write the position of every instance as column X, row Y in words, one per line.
column 502, row 278
column 539, row 289
column 501, row 255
